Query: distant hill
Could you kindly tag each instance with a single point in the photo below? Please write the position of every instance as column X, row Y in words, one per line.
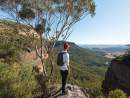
column 100, row 46
column 84, row 56
column 107, row 48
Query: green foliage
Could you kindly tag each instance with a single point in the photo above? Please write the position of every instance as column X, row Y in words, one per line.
column 94, row 92
column 71, row 8
column 17, row 81
column 26, row 12
column 117, row 94
column 100, row 97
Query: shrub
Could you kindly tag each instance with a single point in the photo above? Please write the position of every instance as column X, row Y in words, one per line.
column 100, row 97
column 16, row 81
column 117, row 94
column 95, row 92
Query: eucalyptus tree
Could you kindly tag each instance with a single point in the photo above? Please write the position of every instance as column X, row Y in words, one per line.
column 52, row 20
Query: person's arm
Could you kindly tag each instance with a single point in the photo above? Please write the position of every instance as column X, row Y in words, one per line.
column 67, row 59
column 68, row 65
column 67, row 62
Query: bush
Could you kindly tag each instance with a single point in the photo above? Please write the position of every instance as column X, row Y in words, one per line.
column 117, row 94
column 100, row 97
column 16, row 81
column 95, row 92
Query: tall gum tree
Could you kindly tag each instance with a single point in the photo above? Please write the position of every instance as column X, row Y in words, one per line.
column 52, row 20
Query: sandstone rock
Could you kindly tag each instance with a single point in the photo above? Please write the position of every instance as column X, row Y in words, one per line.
column 73, row 91
column 117, row 77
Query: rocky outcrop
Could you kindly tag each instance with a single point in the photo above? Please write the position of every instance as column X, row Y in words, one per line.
column 117, row 76
column 72, row 91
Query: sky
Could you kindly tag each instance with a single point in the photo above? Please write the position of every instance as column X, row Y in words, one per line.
column 110, row 25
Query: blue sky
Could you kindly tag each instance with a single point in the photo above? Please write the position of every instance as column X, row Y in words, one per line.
column 110, row 25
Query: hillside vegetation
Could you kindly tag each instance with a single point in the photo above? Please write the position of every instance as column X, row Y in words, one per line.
column 83, row 56
column 87, row 68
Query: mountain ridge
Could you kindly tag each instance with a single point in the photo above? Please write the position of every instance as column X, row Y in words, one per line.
column 84, row 56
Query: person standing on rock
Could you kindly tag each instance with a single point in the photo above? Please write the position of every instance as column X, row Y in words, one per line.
column 63, row 62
